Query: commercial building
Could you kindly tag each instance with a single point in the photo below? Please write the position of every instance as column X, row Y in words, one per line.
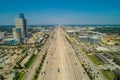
column 9, row 41
column 21, row 23
column 39, row 39
column 3, row 34
column 83, row 39
column 94, row 40
column 89, row 39
column 20, row 32
column 17, row 35
column 72, row 32
column 82, row 32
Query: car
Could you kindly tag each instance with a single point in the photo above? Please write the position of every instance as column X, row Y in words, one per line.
column 83, row 72
column 58, row 69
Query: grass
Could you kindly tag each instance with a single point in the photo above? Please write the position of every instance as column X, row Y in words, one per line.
column 88, row 73
column 19, row 76
column 95, row 60
column 1, row 67
column 30, row 61
column 39, row 68
column 108, row 74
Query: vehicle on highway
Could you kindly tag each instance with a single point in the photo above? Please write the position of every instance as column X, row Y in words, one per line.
column 58, row 69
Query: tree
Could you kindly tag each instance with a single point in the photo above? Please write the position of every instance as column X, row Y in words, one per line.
column 116, row 44
column 1, row 77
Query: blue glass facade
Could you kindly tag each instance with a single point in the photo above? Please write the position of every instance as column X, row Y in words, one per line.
column 21, row 15
column 12, row 42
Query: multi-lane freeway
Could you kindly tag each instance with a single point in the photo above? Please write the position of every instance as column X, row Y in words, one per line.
column 31, row 71
column 88, row 64
column 61, row 62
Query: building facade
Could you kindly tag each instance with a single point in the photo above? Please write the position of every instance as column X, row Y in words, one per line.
column 17, row 35
column 83, row 39
column 21, row 23
column 3, row 34
column 89, row 39
column 94, row 40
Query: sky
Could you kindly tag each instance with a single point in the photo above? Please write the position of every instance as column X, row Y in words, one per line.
column 61, row 11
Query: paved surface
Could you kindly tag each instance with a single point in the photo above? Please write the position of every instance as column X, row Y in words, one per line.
column 86, row 61
column 32, row 70
column 61, row 62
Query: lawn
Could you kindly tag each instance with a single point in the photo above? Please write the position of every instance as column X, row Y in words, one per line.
column 19, row 76
column 95, row 60
column 39, row 68
column 108, row 74
column 30, row 61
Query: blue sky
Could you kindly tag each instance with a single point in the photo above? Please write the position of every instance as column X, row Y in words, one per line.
column 61, row 11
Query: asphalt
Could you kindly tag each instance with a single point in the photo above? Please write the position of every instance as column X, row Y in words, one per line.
column 61, row 62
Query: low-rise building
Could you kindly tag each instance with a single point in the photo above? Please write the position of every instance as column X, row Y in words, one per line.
column 10, row 41
column 39, row 39
column 83, row 39
column 3, row 34
column 89, row 39
column 94, row 40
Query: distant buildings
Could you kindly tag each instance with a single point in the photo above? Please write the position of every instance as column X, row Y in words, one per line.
column 94, row 40
column 9, row 41
column 72, row 32
column 20, row 32
column 84, row 39
column 90, row 39
column 85, row 36
column 3, row 34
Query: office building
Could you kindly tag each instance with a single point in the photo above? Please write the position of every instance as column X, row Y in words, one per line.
column 9, row 41
column 17, row 35
column 94, row 40
column 89, row 39
column 83, row 39
column 21, row 23
column 3, row 34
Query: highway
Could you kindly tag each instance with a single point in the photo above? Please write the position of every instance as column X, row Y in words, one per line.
column 86, row 61
column 61, row 62
column 31, row 71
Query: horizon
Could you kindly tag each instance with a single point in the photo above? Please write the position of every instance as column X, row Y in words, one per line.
column 76, row 12
column 84, row 25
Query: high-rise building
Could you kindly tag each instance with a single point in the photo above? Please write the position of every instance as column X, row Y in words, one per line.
column 17, row 35
column 21, row 23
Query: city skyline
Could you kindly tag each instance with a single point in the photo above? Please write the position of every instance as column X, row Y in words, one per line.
column 61, row 12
